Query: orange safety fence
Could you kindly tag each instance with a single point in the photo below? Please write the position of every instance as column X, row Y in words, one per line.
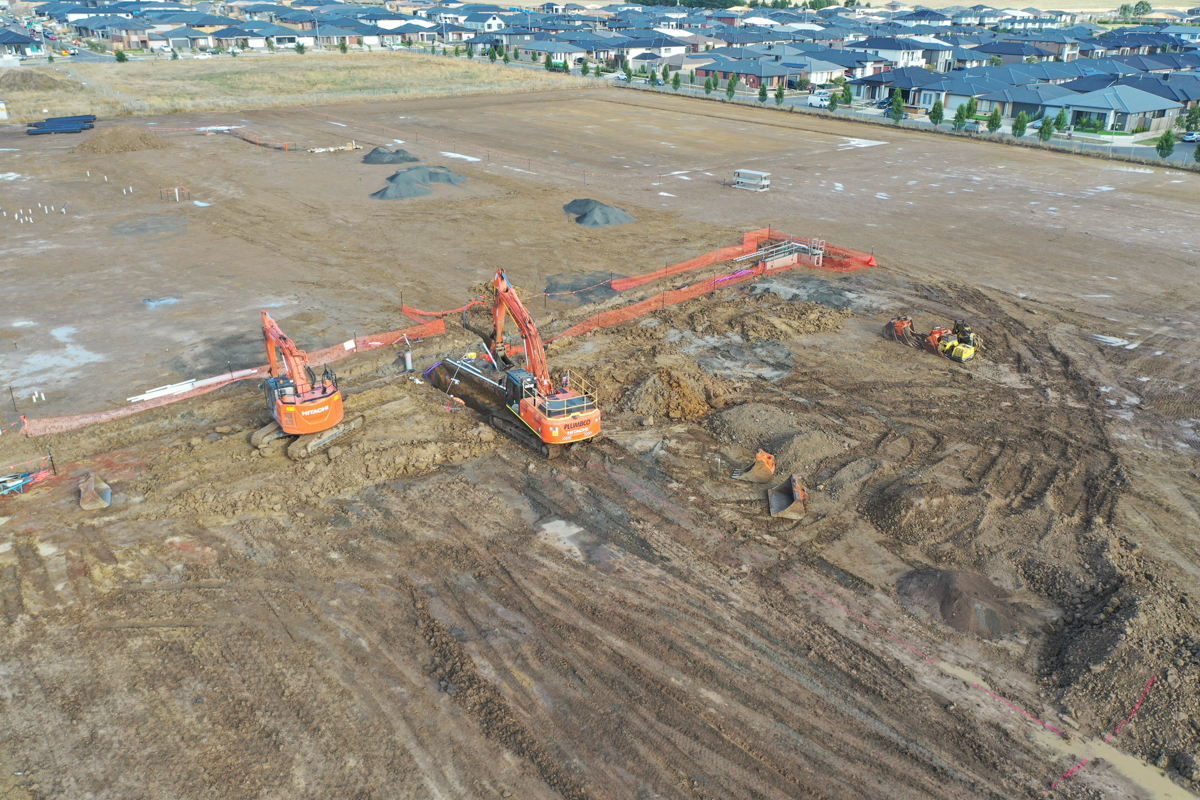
column 42, row 427
column 836, row 259
column 416, row 313
column 261, row 141
column 607, row 319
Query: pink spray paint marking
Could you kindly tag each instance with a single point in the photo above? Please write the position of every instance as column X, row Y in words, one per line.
column 1109, row 737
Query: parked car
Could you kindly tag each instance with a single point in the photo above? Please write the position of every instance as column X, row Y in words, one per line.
column 818, row 101
column 972, row 127
column 202, row 55
column 1191, row 136
column 1034, row 124
column 886, row 103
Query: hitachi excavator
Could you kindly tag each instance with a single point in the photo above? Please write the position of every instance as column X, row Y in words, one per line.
column 521, row 402
column 957, row 344
column 300, row 404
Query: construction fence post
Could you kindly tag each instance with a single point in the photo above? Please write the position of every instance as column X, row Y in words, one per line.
column 14, row 400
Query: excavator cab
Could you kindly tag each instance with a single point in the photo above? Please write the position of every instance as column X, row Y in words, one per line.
column 518, row 385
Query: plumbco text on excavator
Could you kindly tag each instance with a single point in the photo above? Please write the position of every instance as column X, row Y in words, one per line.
column 521, row 402
column 300, row 404
column 957, row 344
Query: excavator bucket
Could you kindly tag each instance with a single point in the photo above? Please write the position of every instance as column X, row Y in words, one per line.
column 787, row 499
column 94, row 493
column 761, row 471
column 901, row 330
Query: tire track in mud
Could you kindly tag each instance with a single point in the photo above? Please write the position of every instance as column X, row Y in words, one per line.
column 487, row 705
column 656, row 650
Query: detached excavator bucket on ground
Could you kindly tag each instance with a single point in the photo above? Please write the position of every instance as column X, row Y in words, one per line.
column 761, row 471
column 787, row 499
column 94, row 493
column 901, row 330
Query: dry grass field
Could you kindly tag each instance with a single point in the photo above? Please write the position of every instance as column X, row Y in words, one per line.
column 166, row 86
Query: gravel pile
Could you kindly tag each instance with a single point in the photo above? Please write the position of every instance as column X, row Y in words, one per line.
column 594, row 214
column 381, row 155
column 414, row 182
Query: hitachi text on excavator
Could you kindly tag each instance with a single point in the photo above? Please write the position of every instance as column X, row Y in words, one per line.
column 301, row 405
column 521, row 402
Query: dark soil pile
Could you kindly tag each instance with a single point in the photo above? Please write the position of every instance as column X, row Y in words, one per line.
column 965, row 601
column 414, row 182
column 381, row 155
column 594, row 214
column 123, row 139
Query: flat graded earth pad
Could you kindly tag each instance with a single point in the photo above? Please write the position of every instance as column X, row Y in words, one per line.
column 433, row 612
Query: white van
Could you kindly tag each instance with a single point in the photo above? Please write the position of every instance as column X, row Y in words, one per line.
column 818, row 100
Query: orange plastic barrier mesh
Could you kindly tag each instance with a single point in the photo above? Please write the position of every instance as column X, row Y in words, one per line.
column 42, row 427
column 837, row 259
column 663, row 299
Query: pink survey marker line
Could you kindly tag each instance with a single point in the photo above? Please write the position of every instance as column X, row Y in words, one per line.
column 634, row 489
column 1109, row 737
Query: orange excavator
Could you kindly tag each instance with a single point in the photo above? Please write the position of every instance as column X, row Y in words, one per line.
column 523, row 403
column 301, row 405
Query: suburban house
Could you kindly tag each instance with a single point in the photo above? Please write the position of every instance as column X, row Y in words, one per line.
column 1031, row 99
column 17, row 44
column 753, row 73
column 817, row 71
column 924, row 16
column 184, row 38
column 559, row 52
column 661, row 46
column 909, row 80
column 1119, row 108
column 1015, row 52
column 954, row 90
column 483, row 22
column 902, row 53
column 128, row 34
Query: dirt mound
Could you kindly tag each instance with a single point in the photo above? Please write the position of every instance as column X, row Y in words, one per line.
column 123, row 139
column 918, row 511
column 754, row 425
column 414, row 182
column 27, row 80
column 381, row 155
column 803, row 452
column 594, row 214
column 677, row 394
column 967, row 602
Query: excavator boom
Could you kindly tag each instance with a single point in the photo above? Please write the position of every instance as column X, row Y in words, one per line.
column 506, row 303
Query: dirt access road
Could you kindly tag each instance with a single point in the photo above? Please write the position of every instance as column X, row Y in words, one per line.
column 431, row 612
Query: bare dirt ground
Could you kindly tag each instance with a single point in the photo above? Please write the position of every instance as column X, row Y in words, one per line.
column 989, row 549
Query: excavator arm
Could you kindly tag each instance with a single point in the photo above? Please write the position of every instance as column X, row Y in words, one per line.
column 295, row 360
column 507, row 302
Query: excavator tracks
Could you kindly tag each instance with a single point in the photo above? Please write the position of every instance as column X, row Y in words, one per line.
column 313, row 443
column 266, row 434
column 517, row 430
